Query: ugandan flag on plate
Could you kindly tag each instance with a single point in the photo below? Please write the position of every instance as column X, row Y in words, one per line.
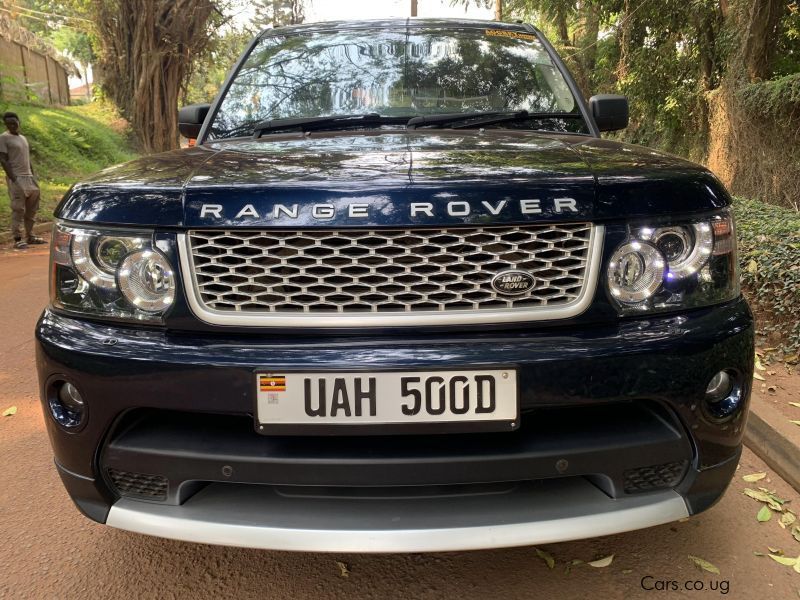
column 272, row 383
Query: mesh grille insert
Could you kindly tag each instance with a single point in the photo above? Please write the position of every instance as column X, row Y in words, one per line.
column 386, row 271
column 141, row 485
column 654, row 477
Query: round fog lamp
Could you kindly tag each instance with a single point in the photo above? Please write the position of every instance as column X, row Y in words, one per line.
column 719, row 387
column 723, row 398
column 67, row 406
column 635, row 272
column 146, row 280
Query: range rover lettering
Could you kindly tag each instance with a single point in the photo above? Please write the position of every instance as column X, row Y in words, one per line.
column 401, row 296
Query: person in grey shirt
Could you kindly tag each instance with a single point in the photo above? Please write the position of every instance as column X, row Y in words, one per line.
column 15, row 158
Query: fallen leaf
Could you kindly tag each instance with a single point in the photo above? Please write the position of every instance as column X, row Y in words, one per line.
column 757, row 553
column 796, row 566
column 778, row 500
column 777, row 551
column 601, row 562
column 344, row 569
column 797, row 404
column 546, row 558
column 770, row 373
column 11, row 410
column 752, row 267
column 765, row 514
column 571, row 564
column 704, row 564
column 627, row 571
column 784, row 560
column 762, row 496
column 787, row 519
column 753, row 477
column 757, row 376
column 796, row 532
column 759, row 366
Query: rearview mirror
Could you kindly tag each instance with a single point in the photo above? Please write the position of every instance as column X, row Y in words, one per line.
column 190, row 119
column 610, row 111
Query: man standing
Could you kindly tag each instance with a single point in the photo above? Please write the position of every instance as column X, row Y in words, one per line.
column 15, row 157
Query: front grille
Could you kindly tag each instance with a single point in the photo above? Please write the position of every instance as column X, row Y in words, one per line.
column 386, row 272
column 140, row 485
column 653, row 477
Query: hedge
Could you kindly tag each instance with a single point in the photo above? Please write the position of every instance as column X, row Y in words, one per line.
column 769, row 254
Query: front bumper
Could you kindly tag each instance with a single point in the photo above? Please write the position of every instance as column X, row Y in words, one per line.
column 597, row 403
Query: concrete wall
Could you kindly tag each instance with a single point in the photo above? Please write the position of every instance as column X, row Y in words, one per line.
column 27, row 75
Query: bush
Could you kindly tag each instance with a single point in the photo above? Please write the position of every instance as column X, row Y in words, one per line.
column 769, row 253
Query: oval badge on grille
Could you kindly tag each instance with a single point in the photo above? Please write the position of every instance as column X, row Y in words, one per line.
column 513, row 282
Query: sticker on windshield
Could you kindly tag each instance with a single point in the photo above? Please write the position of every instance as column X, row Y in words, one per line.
column 517, row 35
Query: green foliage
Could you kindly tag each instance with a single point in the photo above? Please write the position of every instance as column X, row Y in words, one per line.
column 76, row 43
column 776, row 98
column 66, row 145
column 769, row 253
column 210, row 68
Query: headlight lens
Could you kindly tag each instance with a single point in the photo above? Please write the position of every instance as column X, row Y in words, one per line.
column 680, row 265
column 146, row 280
column 635, row 272
column 114, row 274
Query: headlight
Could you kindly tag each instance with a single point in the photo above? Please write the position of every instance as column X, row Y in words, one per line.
column 679, row 265
column 113, row 274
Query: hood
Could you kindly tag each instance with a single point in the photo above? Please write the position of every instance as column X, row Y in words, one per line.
column 393, row 179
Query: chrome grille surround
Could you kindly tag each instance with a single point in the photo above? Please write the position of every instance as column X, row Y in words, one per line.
column 387, row 277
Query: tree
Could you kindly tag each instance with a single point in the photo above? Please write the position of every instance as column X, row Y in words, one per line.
column 277, row 13
column 146, row 48
column 78, row 45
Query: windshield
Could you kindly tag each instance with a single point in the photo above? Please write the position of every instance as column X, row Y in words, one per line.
column 397, row 73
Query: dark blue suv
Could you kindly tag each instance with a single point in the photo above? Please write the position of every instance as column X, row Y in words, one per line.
column 401, row 296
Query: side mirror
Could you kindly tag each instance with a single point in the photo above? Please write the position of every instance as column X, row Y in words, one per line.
column 190, row 119
column 610, row 111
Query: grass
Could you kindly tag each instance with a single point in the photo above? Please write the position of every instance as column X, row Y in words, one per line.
column 67, row 144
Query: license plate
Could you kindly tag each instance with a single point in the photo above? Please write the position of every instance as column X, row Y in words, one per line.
column 410, row 397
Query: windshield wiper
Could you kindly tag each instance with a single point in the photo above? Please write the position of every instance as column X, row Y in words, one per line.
column 323, row 123
column 479, row 119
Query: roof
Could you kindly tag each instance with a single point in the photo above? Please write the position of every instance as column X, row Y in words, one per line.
column 399, row 23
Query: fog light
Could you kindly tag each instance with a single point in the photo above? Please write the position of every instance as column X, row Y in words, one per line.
column 67, row 406
column 723, row 397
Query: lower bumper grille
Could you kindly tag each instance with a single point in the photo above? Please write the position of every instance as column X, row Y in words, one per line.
column 139, row 485
column 654, row 477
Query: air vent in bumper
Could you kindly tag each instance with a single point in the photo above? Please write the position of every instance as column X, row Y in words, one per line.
column 139, row 485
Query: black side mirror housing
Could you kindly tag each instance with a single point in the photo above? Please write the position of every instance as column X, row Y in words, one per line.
column 610, row 111
column 190, row 119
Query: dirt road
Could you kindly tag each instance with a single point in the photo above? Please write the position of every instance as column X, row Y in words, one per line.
column 48, row 550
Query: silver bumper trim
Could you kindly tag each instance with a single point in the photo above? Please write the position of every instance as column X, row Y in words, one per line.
column 263, row 517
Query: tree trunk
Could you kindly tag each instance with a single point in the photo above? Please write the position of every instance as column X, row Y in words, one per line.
column 586, row 32
column 760, row 19
column 146, row 51
column 88, row 85
column 498, row 10
column 561, row 27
